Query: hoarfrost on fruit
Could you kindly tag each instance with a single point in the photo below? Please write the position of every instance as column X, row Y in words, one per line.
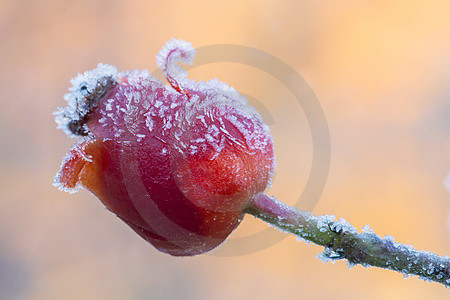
column 189, row 155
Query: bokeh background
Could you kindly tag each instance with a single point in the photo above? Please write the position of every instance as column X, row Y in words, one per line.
column 380, row 69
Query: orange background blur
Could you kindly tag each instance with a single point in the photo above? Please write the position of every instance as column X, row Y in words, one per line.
column 380, row 69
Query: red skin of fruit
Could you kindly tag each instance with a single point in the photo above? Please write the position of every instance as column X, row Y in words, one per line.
column 182, row 186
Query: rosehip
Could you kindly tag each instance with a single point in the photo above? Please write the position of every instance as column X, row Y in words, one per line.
column 179, row 164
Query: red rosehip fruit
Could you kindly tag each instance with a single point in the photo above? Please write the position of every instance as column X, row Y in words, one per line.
column 178, row 163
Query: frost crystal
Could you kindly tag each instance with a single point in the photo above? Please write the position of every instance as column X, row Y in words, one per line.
column 79, row 103
column 328, row 255
column 173, row 52
column 367, row 229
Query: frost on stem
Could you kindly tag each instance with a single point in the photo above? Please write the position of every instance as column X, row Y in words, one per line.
column 342, row 241
column 173, row 52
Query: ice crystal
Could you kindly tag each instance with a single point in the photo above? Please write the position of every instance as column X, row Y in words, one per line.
column 328, row 255
column 173, row 52
column 82, row 85
column 367, row 229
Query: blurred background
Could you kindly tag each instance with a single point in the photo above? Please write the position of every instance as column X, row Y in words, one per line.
column 380, row 70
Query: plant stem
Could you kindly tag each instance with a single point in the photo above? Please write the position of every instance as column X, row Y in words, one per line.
column 342, row 241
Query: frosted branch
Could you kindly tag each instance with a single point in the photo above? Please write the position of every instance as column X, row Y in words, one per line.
column 342, row 241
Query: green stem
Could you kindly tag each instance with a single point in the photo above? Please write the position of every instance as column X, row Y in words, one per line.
column 342, row 241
